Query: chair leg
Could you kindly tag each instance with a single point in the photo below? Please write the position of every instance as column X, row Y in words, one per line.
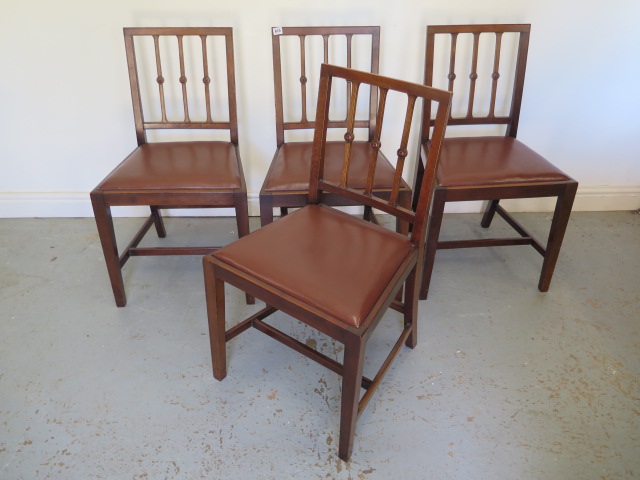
column 564, row 203
column 411, row 308
column 402, row 226
column 351, row 382
column 367, row 215
column 433, row 232
column 266, row 210
column 214, row 291
column 489, row 213
column 417, row 184
column 104, row 222
column 158, row 222
column 242, row 220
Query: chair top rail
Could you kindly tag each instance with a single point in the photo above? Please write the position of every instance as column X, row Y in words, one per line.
column 338, row 30
column 135, row 31
column 480, row 28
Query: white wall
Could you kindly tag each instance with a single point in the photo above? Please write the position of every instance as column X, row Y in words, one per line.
column 66, row 120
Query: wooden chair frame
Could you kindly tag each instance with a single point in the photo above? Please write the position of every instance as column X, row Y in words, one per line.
column 286, row 199
column 103, row 199
column 564, row 190
column 217, row 271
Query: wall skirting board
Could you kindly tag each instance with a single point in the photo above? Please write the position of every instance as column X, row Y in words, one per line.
column 75, row 204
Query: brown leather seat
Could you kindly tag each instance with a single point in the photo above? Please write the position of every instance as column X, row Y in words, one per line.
column 492, row 161
column 353, row 264
column 290, row 170
column 177, row 165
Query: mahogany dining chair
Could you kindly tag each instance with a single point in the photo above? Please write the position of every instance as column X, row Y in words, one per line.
column 295, row 52
column 174, row 174
column 335, row 272
column 490, row 167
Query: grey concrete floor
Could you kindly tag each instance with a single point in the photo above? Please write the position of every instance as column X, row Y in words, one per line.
column 505, row 383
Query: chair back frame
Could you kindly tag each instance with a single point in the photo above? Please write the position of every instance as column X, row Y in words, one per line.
column 325, row 32
column 413, row 91
column 512, row 119
column 179, row 32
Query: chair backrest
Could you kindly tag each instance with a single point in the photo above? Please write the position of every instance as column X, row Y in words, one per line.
column 285, row 67
column 484, row 60
column 439, row 100
column 171, row 54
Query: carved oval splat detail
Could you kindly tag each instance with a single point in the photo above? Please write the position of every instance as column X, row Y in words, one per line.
column 206, row 80
column 451, row 76
column 160, row 80
column 349, row 137
column 495, row 75
column 402, row 152
column 183, row 79
column 303, row 80
column 473, row 76
column 376, row 145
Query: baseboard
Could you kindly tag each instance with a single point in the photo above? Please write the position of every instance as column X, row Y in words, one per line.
column 77, row 204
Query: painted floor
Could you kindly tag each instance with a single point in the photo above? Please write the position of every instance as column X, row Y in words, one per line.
column 505, row 383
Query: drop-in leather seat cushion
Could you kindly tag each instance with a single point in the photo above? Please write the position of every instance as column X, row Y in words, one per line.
column 496, row 160
column 177, row 165
column 334, row 262
column 292, row 164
